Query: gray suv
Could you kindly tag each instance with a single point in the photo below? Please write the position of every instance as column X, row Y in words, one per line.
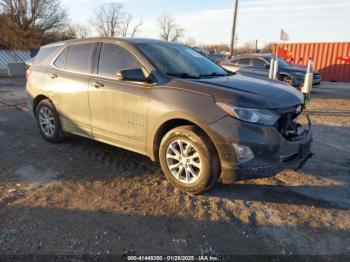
column 167, row 101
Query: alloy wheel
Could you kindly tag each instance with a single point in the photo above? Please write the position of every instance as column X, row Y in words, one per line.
column 47, row 121
column 184, row 161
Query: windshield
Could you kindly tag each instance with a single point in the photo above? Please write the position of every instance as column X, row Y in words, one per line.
column 180, row 61
column 282, row 63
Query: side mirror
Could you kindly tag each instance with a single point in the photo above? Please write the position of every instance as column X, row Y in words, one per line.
column 135, row 75
column 267, row 66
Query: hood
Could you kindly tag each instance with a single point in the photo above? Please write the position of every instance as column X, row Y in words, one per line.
column 295, row 68
column 245, row 91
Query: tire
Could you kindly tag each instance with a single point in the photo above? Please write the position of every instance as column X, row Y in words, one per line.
column 199, row 157
column 52, row 130
column 287, row 80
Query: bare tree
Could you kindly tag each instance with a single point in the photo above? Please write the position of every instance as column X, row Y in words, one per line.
column 69, row 33
column 179, row 32
column 128, row 27
column 107, row 19
column 218, row 47
column 267, row 48
column 8, row 37
column 248, row 47
column 79, row 30
column 191, row 42
column 110, row 20
column 170, row 31
column 30, row 20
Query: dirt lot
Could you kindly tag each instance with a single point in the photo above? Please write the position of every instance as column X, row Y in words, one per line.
column 84, row 197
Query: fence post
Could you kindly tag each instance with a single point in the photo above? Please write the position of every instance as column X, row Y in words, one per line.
column 275, row 70
column 272, row 64
column 307, row 86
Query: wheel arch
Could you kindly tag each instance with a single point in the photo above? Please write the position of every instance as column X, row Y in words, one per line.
column 37, row 100
column 172, row 123
column 285, row 74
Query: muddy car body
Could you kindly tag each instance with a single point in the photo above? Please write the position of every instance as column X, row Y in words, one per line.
column 200, row 122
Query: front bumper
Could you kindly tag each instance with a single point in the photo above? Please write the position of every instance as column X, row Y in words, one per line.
column 316, row 81
column 273, row 153
column 297, row 82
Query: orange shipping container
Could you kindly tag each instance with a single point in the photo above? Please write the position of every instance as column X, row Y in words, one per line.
column 330, row 59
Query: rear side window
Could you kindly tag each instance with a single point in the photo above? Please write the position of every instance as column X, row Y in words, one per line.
column 234, row 61
column 114, row 58
column 79, row 58
column 61, row 59
column 44, row 55
column 258, row 62
column 244, row 61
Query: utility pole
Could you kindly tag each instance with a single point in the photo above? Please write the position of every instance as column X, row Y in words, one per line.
column 234, row 26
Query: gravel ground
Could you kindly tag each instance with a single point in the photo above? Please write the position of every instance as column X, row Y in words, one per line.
column 85, row 197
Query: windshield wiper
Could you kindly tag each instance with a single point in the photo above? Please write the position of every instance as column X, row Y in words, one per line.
column 183, row 75
column 214, row 74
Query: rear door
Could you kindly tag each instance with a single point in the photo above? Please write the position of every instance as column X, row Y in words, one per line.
column 68, row 78
column 118, row 108
column 38, row 72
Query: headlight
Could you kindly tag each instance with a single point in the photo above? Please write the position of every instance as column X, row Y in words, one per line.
column 261, row 116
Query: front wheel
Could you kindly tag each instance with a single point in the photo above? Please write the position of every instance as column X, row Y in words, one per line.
column 188, row 160
column 287, row 80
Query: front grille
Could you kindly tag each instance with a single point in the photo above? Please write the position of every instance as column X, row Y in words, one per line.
column 287, row 124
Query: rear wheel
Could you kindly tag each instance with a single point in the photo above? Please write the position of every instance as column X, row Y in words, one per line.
column 49, row 122
column 188, row 160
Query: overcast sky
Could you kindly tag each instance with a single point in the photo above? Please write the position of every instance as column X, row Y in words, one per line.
column 209, row 21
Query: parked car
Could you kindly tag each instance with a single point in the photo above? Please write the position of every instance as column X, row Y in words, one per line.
column 169, row 102
column 259, row 65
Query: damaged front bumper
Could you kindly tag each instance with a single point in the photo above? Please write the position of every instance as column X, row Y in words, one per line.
column 299, row 148
column 273, row 152
column 292, row 154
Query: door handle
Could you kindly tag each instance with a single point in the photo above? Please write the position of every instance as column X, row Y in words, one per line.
column 97, row 84
column 53, row 76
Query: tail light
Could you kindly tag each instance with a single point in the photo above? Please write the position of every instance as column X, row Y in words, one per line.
column 28, row 73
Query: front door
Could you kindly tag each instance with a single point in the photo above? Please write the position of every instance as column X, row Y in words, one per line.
column 118, row 108
column 259, row 67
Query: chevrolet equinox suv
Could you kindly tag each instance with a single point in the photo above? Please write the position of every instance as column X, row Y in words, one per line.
column 167, row 101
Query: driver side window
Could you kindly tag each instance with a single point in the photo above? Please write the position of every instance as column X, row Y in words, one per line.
column 259, row 62
column 114, row 58
column 244, row 61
